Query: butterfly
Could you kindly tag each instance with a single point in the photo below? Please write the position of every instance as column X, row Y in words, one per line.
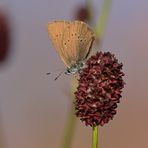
column 73, row 42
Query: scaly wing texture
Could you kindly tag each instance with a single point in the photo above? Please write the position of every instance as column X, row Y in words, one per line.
column 55, row 31
column 77, row 41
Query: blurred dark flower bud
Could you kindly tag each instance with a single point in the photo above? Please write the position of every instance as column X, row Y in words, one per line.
column 82, row 14
column 4, row 37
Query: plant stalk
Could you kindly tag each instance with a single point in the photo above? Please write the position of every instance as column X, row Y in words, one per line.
column 69, row 129
column 95, row 137
column 102, row 21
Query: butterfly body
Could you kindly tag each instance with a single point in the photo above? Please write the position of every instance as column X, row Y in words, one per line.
column 73, row 42
column 75, row 68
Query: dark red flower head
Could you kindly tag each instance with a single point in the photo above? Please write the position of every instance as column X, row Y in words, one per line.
column 99, row 89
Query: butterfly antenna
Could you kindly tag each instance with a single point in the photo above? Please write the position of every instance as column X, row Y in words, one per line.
column 59, row 69
column 59, row 75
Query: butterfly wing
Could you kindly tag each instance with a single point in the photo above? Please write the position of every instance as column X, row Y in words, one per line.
column 77, row 41
column 55, row 32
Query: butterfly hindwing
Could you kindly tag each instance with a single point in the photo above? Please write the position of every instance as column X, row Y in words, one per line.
column 77, row 41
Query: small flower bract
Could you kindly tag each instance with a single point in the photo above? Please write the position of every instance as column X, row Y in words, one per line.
column 99, row 89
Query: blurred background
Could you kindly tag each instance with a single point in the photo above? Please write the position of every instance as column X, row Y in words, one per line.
column 34, row 107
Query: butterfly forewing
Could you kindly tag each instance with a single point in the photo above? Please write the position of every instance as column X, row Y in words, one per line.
column 55, row 31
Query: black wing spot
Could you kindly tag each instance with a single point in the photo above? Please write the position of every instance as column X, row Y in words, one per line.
column 68, row 40
column 75, row 34
column 78, row 37
column 81, row 40
column 65, row 44
column 72, row 34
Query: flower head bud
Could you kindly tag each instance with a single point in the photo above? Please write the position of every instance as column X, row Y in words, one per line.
column 82, row 14
column 99, row 89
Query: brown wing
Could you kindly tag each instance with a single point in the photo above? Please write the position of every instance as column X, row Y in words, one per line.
column 77, row 41
column 55, row 31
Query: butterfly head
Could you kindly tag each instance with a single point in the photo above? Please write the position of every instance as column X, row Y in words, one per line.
column 75, row 68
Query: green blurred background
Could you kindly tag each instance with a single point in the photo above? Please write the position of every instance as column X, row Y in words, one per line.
column 34, row 107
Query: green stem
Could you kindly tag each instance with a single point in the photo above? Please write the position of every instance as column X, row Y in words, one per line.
column 100, row 28
column 95, row 137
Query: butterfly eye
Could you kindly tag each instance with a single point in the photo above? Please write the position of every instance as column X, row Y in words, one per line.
column 78, row 37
